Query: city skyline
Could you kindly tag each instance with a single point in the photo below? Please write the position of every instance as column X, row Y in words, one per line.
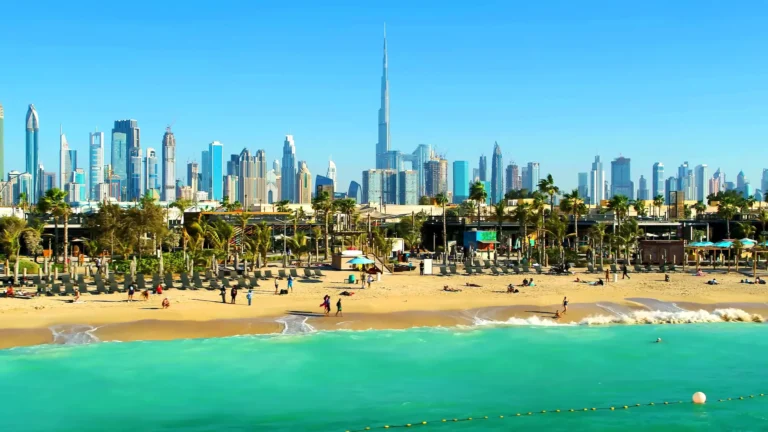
column 457, row 132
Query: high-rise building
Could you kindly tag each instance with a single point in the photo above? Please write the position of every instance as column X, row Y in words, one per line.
column 273, row 184
column 65, row 160
column 246, row 193
column 583, row 186
column 324, row 184
column 482, row 168
column 216, row 165
column 642, row 190
column 443, row 173
column 408, row 185
column 621, row 178
column 24, row 185
column 2, row 143
column 356, row 192
column 533, row 177
column 205, row 172
column 682, row 179
column 525, row 178
column 135, row 179
column 657, row 180
column 261, row 177
column 233, row 165
column 96, row 159
column 303, row 184
column 596, row 182
column 332, row 173
column 475, row 174
column 517, row 180
column 125, row 139
column 151, row 180
column 169, row 166
column 288, row 176
column 49, row 181
column 497, row 175
column 670, row 185
column 741, row 180
column 460, row 181
column 231, row 188
column 383, row 145
column 701, row 176
column 32, row 147
column 432, row 177
column 418, row 158
column 380, row 186
column 76, row 187
column 192, row 174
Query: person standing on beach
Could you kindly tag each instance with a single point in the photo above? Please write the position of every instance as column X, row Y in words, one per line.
column 624, row 272
column 290, row 283
column 607, row 274
column 338, row 307
column 277, row 285
column 234, row 293
column 223, row 294
column 421, row 268
column 249, row 296
column 565, row 305
column 131, row 291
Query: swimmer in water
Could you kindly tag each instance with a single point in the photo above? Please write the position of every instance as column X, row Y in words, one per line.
column 658, row 340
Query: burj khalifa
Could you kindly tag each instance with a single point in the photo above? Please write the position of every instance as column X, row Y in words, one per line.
column 383, row 145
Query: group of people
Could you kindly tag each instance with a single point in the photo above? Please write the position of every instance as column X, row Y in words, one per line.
column 233, row 295
column 326, row 305
column 757, row 281
column 277, row 284
column 158, row 290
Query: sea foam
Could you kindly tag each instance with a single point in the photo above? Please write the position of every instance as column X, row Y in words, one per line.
column 73, row 334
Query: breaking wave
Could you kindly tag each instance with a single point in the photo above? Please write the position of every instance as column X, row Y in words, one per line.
column 73, row 334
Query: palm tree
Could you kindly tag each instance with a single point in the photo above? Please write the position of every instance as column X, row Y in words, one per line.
column 242, row 219
column 54, row 203
column 597, row 231
column 538, row 207
column 619, row 204
column 299, row 244
column 282, row 206
column 727, row 208
column 700, row 208
column 639, row 207
column 747, row 229
column 322, row 205
column 573, row 204
column 763, row 218
column 265, row 240
column 23, row 201
column 658, row 202
column 478, row 194
column 13, row 229
column 522, row 215
column 558, row 227
column 442, row 199
column 628, row 235
column 547, row 187
column 316, row 233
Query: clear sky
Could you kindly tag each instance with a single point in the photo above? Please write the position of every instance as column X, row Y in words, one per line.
column 551, row 81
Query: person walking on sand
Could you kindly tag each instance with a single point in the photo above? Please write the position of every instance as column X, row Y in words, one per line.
column 290, row 283
column 565, row 305
column 249, row 296
column 338, row 307
column 131, row 291
column 223, row 294
column 233, row 293
column 607, row 275
column 277, row 285
column 624, row 272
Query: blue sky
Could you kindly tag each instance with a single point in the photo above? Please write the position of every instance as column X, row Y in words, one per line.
column 555, row 81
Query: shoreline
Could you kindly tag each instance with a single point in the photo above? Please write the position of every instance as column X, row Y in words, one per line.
column 592, row 314
column 397, row 302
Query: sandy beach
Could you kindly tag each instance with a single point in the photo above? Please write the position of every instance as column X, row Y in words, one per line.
column 398, row 301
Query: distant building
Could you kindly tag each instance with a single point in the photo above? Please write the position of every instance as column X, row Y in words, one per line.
column 232, row 188
column 288, row 176
column 621, row 178
column 32, row 147
column 169, row 166
column 126, row 143
column 23, row 185
column 96, row 159
column 379, row 187
column 583, row 186
column 324, row 184
column 657, row 180
column 192, row 175
column 432, row 178
column 533, row 176
column 642, row 191
column 151, row 180
column 303, row 184
column 2, row 143
column 332, row 174
column 418, row 158
column 460, row 182
column 596, row 182
column 212, row 167
column 701, row 176
column 497, row 175
column 408, row 186
column 670, row 186
column 355, row 191
column 483, row 168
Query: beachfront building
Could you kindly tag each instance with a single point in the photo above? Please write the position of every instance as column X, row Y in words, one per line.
column 497, row 175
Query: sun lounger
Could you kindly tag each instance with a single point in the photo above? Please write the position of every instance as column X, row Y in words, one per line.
column 505, row 270
column 156, row 280
column 672, row 268
column 242, row 283
column 590, row 268
column 308, row 273
column 453, row 269
column 208, row 275
column 69, row 289
column 268, row 274
column 127, row 282
column 82, row 286
column 65, row 278
column 197, row 281
column 141, row 283
column 319, row 273
column 214, row 285
column 539, row 270
column 225, row 283
column 479, row 270
column 468, row 271
column 42, row 288
column 600, row 269
column 638, row 269
column 613, row 268
column 114, row 287
column 495, row 271
column 526, row 269
column 662, row 268
column 443, row 271
column 648, row 268
column 254, row 281
column 56, row 289
column 169, row 281
column 294, row 273
column 185, row 283
column 282, row 274
column 100, row 288
column 258, row 274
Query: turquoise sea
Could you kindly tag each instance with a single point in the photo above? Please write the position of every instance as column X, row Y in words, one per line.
column 339, row 381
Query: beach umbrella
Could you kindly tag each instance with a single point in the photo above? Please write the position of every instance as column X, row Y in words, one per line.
column 723, row 244
column 695, row 244
column 747, row 241
column 360, row 260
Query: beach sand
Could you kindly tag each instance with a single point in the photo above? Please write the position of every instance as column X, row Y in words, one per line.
column 398, row 301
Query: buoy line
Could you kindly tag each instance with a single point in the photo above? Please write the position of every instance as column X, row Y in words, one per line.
column 698, row 398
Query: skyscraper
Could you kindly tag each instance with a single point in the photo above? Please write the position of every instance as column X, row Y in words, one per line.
column 32, row 148
column 261, row 177
column 355, row 191
column 192, row 173
column 418, row 158
column 482, row 168
column 670, row 185
column 383, row 145
column 702, row 182
column 596, row 182
column 151, row 180
column 216, row 164
column 525, row 178
column 621, row 178
column 682, row 179
column 657, row 180
column 125, row 136
column 247, row 179
column 443, row 173
column 497, row 175
column 517, row 180
column 460, row 181
column 332, row 173
column 205, row 172
column 2, row 143
column 288, row 177
column 533, row 177
column 583, row 186
column 303, row 184
column 65, row 160
column 135, row 179
column 169, row 166
column 96, row 159
column 763, row 180
column 642, row 189
column 408, row 187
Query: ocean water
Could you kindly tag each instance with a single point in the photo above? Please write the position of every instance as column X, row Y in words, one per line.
column 340, row 381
